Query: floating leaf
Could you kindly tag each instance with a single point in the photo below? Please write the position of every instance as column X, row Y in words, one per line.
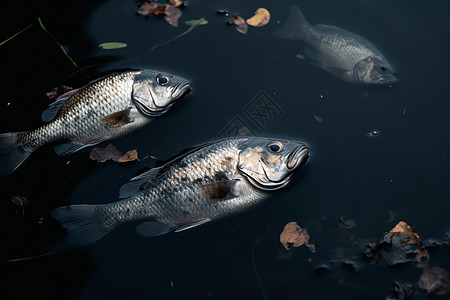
column 261, row 18
column 104, row 154
column 171, row 13
column 112, row 45
column 407, row 230
column 295, row 236
column 435, row 281
column 58, row 91
column 240, row 23
column 110, row 152
column 131, row 155
column 194, row 23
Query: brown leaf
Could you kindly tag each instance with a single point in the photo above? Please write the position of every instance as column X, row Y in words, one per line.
column 131, row 155
column 241, row 26
column 435, row 281
column 407, row 230
column 58, row 91
column 422, row 257
column 150, row 7
column 105, row 154
column 172, row 14
column 261, row 18
column 295, row 236
column 176, row 3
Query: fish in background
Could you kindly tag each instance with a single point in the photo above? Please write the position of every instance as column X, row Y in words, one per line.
column 344, row 54
column 104, row 109
column 203, row 184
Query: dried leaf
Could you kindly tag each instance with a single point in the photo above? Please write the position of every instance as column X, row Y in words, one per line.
column 407, row 230
column 112, row 45
column 105, row 154
column 131, row 155
column 172, row 14
column 422, row 257
column 261, row 18
column 435, row 281
column 241, row 26
column 295, row 236
column 149, row 8
column 58, row 91
column 176, row 3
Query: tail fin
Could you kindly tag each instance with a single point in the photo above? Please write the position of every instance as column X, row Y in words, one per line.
column 295, row 27
column 11, row 157
column 82, row 223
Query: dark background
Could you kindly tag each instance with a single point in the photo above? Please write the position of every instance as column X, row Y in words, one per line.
column 403, row 173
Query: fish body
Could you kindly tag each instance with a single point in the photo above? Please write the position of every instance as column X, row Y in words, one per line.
column 104, row 109
column 346, row 55
column 207, row 183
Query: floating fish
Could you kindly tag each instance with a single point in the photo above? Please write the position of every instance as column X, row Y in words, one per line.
column 203, row 184
column 342, row 53
column 104, row 109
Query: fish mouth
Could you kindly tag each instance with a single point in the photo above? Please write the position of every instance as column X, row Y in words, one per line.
column 298, row 157
column 391, row 80
column 180, row 90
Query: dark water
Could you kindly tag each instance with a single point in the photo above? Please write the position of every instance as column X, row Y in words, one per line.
column 403, row 173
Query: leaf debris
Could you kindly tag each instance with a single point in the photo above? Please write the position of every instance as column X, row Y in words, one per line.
column 237, row 20
column 261, row 18
column 110, row 152
column 295, row 236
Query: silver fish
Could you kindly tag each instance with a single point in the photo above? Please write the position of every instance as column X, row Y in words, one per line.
column 205, row 183
column 104, row 109
column 342, row 53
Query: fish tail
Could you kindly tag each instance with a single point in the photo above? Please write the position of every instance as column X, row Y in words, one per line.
column 11, row 155
column 296, row 27
column 82, row 223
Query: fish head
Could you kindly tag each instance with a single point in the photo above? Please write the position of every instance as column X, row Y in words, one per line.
column 374, row 70
column 154, row 92
column 269, row 164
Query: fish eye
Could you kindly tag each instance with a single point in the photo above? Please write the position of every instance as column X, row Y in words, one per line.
column 383, row 68
column 275, row 146
column 162, row 79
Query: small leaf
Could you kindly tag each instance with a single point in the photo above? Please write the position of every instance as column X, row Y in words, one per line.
column 241, row 26
column 261, row 18
column 112, row 45
column 201, row 21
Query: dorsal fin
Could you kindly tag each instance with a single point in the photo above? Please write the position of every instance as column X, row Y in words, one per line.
column 54, row 107
column 137, row 184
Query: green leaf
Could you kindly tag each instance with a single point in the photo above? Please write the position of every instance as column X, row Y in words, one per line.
column 201, row 21
column 112, row 45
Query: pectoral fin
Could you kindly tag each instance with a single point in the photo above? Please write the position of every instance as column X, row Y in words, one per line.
column 119, row 118
column 220, row 190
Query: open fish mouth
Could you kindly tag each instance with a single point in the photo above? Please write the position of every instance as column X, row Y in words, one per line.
column 182, row 89
column 298, row 157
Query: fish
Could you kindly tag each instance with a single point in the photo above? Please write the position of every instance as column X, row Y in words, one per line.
column 104, row 109
column 202, row 184
column 344, row 54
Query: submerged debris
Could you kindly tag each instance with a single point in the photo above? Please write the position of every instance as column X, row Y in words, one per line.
column 373, row 134
column 435, row 281
column 394, row 247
